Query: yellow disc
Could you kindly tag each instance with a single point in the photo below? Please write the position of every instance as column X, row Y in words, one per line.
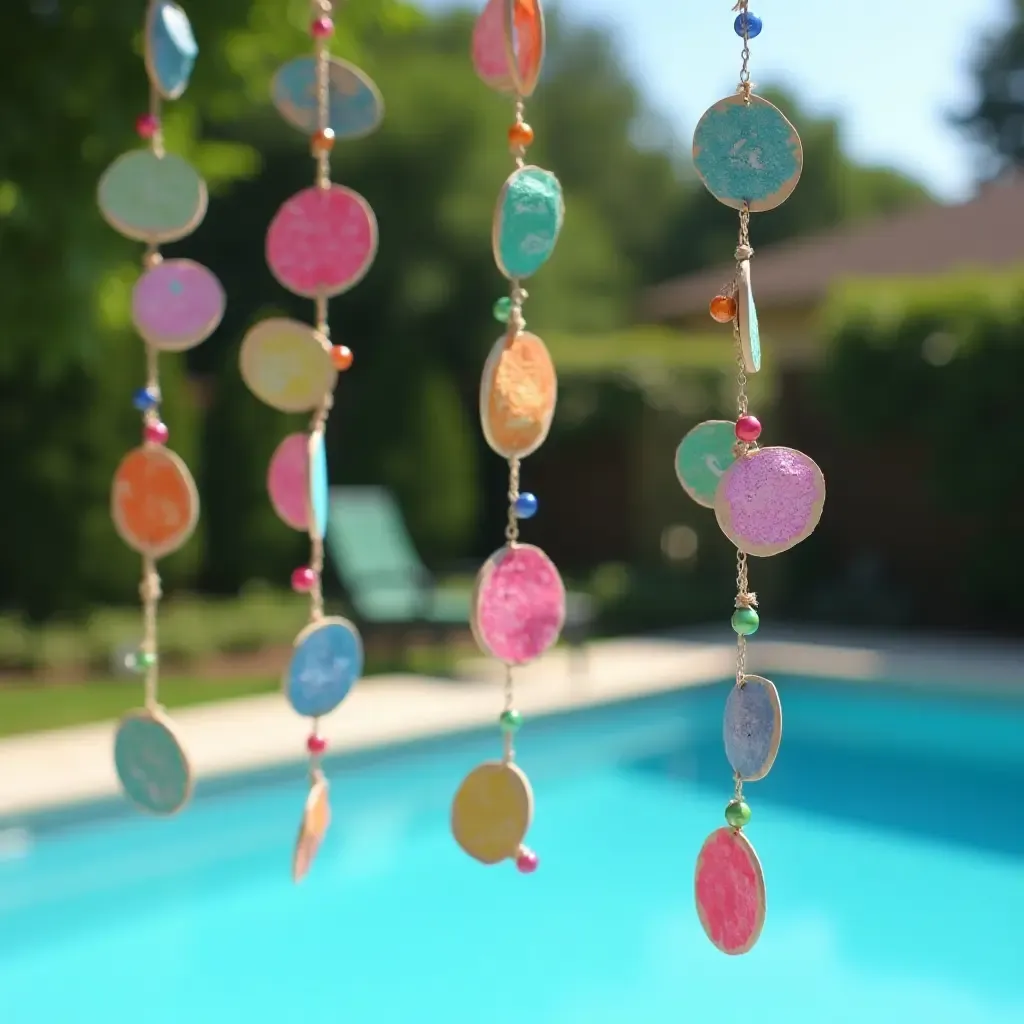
column 492, row 811
column 316, row 818
column 284, row 364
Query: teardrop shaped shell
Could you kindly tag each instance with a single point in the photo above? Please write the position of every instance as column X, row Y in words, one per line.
column 730, row 892
column 518, row 391
column 527, row 221
column 518, row 605
column 752, row 727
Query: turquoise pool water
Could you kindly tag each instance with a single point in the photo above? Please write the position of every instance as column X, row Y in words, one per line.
column 891, row 832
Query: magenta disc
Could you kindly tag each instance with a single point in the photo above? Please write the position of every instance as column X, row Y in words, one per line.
column 519, row 604
column 322, row 241
column 286, row 480
column 730, row 893
column 769, row 500
column 177, row 304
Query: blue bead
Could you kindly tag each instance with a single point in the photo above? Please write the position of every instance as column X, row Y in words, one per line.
column 525, row 506
column 753, row 25
column 145, row 399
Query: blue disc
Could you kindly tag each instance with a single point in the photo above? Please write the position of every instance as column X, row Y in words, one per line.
column 355, row 107
column 326, row 662
column 753, row 727
column 319, row 492
column 171, row 48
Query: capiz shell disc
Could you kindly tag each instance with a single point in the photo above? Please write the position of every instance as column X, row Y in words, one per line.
column 703, row 456
column 171, row 48
column 769, row 500
column 492, row 811
column 730, row 892
column 747, row 154
column 154, row 502
column 287, row 478
column 316, row 819
column 518, row 391
column 746, row 320
column 319, row 495
column 285, row 364
column 152, row 198
column 489, row 48
column 518, row 604
column 527, row 221
column 322, row 241
column 177, row 304
column 355, row 107
column 326, row 661
column 151, row 763
column 752, row 727
column 524, row 42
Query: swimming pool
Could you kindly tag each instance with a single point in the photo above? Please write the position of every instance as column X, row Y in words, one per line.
column 891, row 832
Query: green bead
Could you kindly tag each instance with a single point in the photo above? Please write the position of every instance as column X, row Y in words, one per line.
column 745, row 621
column 503, row 309
column 737, row 813
column 510, row 721
column 145, row 659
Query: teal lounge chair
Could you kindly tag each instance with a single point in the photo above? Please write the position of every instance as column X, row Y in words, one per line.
column 388, row 585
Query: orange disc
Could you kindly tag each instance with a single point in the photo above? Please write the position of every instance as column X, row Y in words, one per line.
column 316, row 819
column 154, row 502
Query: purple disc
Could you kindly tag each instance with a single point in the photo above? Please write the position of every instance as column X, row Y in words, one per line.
column 769, row 500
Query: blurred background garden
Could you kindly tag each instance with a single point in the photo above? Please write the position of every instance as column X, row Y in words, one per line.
column 893, row 323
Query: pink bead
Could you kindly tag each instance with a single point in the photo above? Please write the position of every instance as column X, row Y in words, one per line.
column 316, row 744
column 527, row 861
column 147, row 125
column 155, row 432
column 322, row 28
column 748, row 428
column 303, row 580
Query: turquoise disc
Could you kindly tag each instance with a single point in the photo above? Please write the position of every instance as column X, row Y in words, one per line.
column 171, row 48
column 326, row 662
column 319, row 496
column 151, row 763
column 355, row 107
column 703, row 455
column 527, row 221
column 747, row 155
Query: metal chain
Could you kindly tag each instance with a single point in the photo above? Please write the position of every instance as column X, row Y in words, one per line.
column 744, row 86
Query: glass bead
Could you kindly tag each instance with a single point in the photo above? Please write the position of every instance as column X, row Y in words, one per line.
column 145, row 659
column 322, row 28
column 322, row 141
column 737, row 813
column 723, row 308
column 525, row 506
column 520, row 135
column 526, row 861
column 748, row 429
column 316, row 744
column 503, row 309
column 156, row 432
column 745, row 621
column 147, row 125
column 145, row 399
column 303, row 579
column 341, row 357
column 510, row 721
column 749, row 22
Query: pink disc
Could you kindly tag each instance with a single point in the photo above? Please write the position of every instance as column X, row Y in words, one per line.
column 177, row 304
column 322, row 241
column 730, row 893
column 518, row 605
column 769, row 500
column 286, row 480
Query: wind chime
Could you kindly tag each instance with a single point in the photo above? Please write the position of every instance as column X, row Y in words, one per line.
column 320, row 244
column 156, row 197
column 518, row 607
column 766, row 500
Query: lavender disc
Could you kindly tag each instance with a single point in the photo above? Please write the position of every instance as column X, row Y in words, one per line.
column 752, row 727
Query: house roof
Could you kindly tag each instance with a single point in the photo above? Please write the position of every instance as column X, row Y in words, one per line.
column 985, row 233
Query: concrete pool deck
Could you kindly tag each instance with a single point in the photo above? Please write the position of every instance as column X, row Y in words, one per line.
column 47, row 770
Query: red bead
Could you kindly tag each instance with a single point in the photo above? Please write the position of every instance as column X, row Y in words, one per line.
column 341, row 356
column 748, row 428
column 147, row 125
column 303, row 580
column 316, row 744
column 155, row 432
column 322, row 28
column 722, row 308
column 526, row 861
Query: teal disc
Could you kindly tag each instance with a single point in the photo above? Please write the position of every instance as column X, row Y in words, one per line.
column 746, row 320
column 171, row 48
column 703, row 456
column 527, row 222
column 747, row 154
column 151, row 763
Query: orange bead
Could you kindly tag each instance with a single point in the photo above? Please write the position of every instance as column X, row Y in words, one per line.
column 341, row 356
column 723, row 308
column 520, row 135
column 322, row 142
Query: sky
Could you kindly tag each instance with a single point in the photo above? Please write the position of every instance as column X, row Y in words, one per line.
column 892, row 71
